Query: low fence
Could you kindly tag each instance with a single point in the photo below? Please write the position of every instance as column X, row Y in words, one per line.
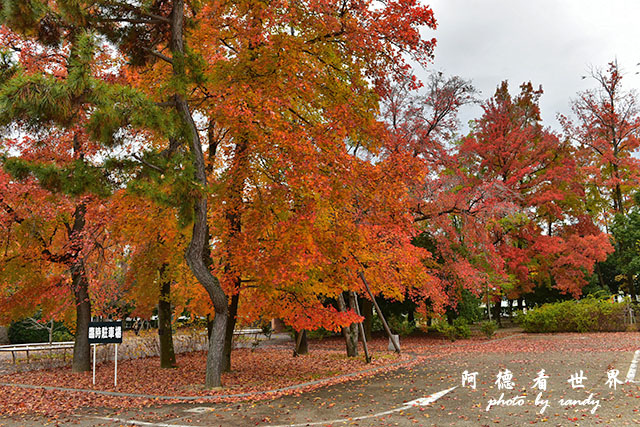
column 35, row 347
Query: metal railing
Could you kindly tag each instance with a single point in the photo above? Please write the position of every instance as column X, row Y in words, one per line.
column 39, row 346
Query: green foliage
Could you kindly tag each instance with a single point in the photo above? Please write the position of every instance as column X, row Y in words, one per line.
column 62, row 335
column 376, row 323
column 459, row 329
column 586, row 315
column 74, row 179
column 400, row 325
column 468, row 307
column 462, row 328
column 267, row 330
column 27, row 17
column 626, row 233
column 24, row 332
column 447, row 330
column 489, row 328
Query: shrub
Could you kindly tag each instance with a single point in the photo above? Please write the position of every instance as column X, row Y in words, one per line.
column 447, row 330
column 26, row 331
column 585, row 315
column 267, row 330
column 400, row 325
column 64, row 335
column 469, row 307
column 22, row 332
column 459, row 329
column 489, row 328
column 462, row 327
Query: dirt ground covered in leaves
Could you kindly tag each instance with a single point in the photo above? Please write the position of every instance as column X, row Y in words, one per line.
column 265, row 369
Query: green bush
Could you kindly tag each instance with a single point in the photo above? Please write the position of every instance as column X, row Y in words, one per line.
column 447, row 330
column 376, row 323
column 488, row 327
column 400, row 325
column 459, row 329
column 585, row 315
column 64, row 335
column 462, row 327
column 469, row 307
column 24, row 332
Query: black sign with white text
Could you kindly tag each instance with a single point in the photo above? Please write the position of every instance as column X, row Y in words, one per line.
column 105, row 332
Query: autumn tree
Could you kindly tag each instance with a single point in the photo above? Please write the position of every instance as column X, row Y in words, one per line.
column 53, row 97
column 424, row 127
column 303, row 76
column 60, row 166
column 152, row 245
column 606, row 131
column 538, row 225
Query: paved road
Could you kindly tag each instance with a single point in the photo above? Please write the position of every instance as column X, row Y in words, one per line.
column 431, row 394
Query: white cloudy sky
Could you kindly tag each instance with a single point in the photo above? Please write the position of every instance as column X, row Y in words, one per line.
column 548, row 42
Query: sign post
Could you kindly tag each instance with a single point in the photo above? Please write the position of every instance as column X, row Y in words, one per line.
column 105, row 333
column 115, row 369
column 94, row 363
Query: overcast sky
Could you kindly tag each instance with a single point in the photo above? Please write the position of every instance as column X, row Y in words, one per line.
column 552, row 43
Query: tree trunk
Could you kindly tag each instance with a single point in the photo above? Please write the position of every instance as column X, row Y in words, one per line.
column 80, row 285
column 617, row 196
column 496, row 312
column 600, row 276
column 350, row 332
column 81, row 347
column 199, row 245
column 367, row 312
column 231, row 324
column 165, row 332
column 302, row 345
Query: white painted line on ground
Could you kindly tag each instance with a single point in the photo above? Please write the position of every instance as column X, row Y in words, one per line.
column 423, row 401
column 138, row 423
column 199, row 409
column 631, row 374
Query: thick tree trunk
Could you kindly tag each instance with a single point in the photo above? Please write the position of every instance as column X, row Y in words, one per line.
column 228, row 337
column 81, row 347
column 199, row 245
column 367, row 311
column 165, row 332
column 302, row 345
column 350, row 332
column 80, row 284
